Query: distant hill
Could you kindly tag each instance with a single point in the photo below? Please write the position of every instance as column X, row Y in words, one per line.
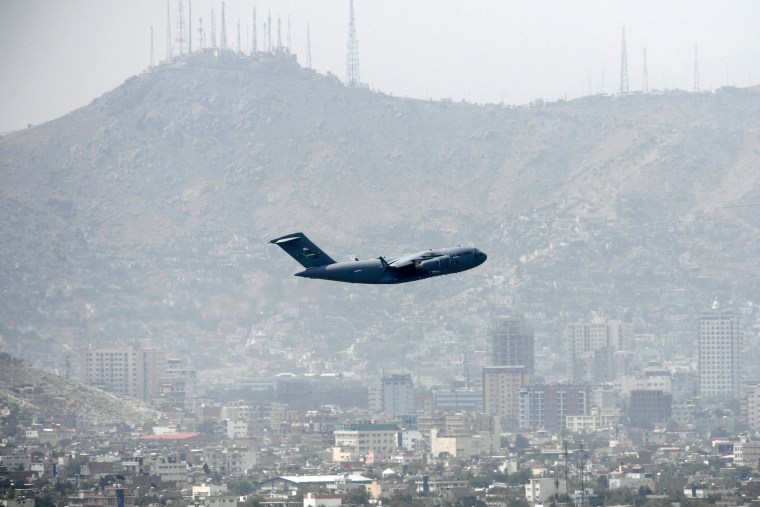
column 145, row 214
column 55, row 398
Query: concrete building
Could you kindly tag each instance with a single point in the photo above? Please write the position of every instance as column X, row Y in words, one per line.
column 397, row 395
column 321, row 500
column 592, row 347
column 169, row 470
column 547, row 406
column 366, row 437
column 501, row 390
column 456, row 400
column 720, row 355
column 541, row 489
column 127, row 371
column 235, row 428
column 634, row 478
column 648, row 407
column 597, row 419
column 464, row 445
column 747, row 453
column 750, row 405
column 178, row 385
column 511, row 342
column 315, row 482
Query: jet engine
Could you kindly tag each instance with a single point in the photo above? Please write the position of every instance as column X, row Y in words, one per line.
column 439, row 263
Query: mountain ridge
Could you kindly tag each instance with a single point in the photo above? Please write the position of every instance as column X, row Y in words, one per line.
column 153, row 204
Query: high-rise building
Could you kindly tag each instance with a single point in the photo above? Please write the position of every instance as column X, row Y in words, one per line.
column 546, row 407
column 501, row 390
column 397, row 395
column 178, row 384
column 647, row 407
column 127, row 371
column 750, row 404
column 511, row 342
column 592, row 347
column 720, row 354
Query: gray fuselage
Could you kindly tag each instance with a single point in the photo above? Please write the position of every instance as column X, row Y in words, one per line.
column 403, row 269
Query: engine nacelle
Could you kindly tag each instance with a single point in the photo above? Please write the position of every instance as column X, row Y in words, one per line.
column 438, row 264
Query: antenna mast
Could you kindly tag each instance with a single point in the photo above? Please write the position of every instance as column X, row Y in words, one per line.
column 279, row 34
column 152, row 61
column 623, row 67
column 583, row 471
column 645, row 78
column 181, row 28
column 696, row 71
column 289, row 50
column 352, row 50
column 213, row 29
column 308, row 47
column 189, row 26
column 201, row 37
column 239, row 47
column 269, row 32
column 254, row 44
column 223, row 41
column 168, row 33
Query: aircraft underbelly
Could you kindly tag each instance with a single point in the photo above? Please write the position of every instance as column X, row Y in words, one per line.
column 370, row 271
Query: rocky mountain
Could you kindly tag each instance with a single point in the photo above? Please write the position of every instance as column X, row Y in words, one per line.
column 145, row 215
column 57, row 399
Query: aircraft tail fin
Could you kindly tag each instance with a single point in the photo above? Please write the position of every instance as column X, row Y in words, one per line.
column 298, row 246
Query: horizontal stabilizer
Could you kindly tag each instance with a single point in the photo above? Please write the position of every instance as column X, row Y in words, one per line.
column 298, row 246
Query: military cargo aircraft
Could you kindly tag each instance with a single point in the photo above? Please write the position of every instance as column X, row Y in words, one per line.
column 407, row 268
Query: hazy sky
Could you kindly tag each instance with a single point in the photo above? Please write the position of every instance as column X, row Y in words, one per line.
column 58, row 55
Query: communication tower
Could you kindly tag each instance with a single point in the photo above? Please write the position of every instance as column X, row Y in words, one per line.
column 152, row 61
column 308, row 47
column 269, row 32
column 696, row 71
column 352, row 50
column 239, row 46
column 223, row 40
column 254, row 43
column 582, row 467
column 213, row 29
column 623, row 67
column 289, row 33
column 645, row 77
column 181, row 27
column 168, row 33
column 279, row 34
column 201, row 35
column 189, row 26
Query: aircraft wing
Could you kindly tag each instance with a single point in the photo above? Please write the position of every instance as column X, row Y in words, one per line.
column 406, row 260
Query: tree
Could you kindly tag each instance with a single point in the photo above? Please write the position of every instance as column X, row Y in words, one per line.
column 206, row 427
column 43, row 501
column 253, row 501
column 356, row 496
column 521, row 442
column 240, row 487
column 520, row 477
